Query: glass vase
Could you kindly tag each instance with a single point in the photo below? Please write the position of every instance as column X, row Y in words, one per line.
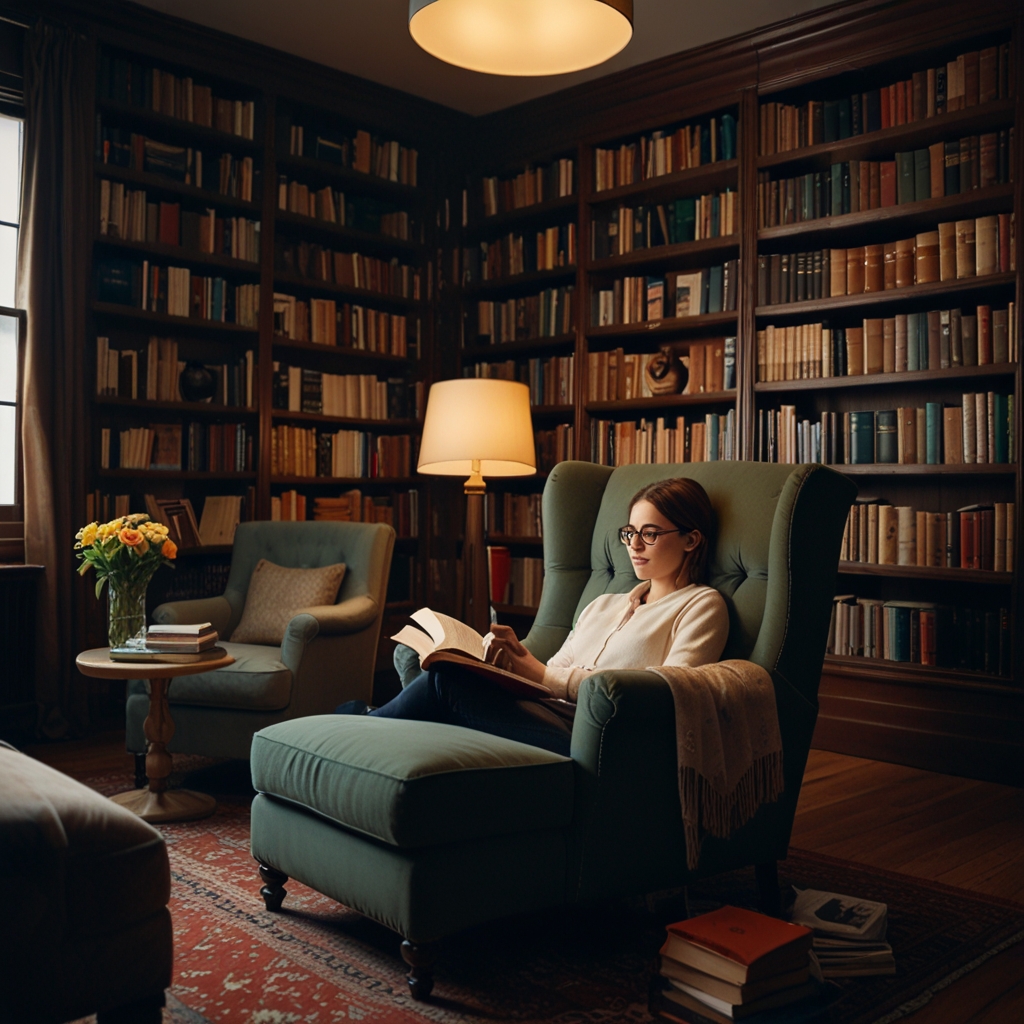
column 126, row 621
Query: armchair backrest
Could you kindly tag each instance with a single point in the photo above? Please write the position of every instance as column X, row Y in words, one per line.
column 363, row 548
column 774, row 558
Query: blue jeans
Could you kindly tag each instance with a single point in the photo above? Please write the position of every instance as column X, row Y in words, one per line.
column 449, row 694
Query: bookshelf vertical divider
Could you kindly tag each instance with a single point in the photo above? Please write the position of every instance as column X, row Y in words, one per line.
column 265, row 372
column 746, row 339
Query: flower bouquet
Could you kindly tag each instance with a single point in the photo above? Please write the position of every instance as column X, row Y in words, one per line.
column 125, row 553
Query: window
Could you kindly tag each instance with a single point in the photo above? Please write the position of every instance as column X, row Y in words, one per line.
column 11, row 319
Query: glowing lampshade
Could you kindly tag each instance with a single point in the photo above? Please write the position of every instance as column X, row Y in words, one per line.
column 522, row 37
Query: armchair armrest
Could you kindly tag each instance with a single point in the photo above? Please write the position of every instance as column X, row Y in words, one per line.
column 351, row 616
column 216, row 610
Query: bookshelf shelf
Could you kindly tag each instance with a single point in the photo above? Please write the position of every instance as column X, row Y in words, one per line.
column 681, row 254
column 304, row 167
column 513, row 540
column 548, row 210
column 187, row 133
column 916, row 135
column 173, row 474
column 113, row 309
column 658, row 402
column 950, row 375
column 389, row 244
column 907, row 673
column 917, row 469
column 669, row 325
column 924, row 292
column 286, row 346
column 927, row 572
column 344, row 481
column 510, row 349
column 180, row 255
column 680, row 183
column 523, row 282
column 190, row 409
column 283, row 281
column 552, row 411
column 385, row 426
column 922, row 215
column 161, row 185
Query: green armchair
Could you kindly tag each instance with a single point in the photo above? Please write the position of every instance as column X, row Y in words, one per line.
column 327, row 655
column 431, row 829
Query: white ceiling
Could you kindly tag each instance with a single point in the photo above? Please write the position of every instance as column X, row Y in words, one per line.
column 370, row 38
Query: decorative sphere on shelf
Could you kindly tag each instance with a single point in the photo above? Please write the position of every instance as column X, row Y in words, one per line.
column 196, row 382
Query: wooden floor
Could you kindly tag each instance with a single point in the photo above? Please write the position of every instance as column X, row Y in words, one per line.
column 938, row 827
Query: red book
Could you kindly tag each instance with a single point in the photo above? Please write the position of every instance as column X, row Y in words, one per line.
column 885, row 109
column 968, row 541
column 170, row 216
column 901, row 103
column 738, row 945
column 887, row 182
column 984, row 335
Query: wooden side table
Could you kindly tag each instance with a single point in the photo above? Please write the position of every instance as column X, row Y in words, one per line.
column 156, row 803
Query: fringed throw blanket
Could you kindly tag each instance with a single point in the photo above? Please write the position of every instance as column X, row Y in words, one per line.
column 729, row 747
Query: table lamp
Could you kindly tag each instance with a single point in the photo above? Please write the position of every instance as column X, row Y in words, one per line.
column 475, row 428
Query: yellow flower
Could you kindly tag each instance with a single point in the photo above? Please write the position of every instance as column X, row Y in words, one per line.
column 141, row 548
column 169, row 549
column 87, row 535
column 131, row 538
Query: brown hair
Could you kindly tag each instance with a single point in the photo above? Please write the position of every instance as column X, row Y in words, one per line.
column 686, row 505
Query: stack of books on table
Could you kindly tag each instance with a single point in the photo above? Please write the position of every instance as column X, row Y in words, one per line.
column 849, row 934
column 734, row 964
column 178, row 643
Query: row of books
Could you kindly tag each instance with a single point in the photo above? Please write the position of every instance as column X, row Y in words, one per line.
column 957, row 250
column 978, row 76
column 633, row 300
column 326, row 322
column 943, row 169
column 551, row 381
column 978, row 432
column 515, row 254
column 176, row 291
column 363, row 152
column 125, row 213
column 973, row 537
column 513, row 515
column 154, row 372
column 515, row 581
column 546, row 315
column 221, row 516
column 400, row 510
column 329, row 204
column 531, row 186
column 125, row 81
column 196, row 447
column 922, row 633
column 236, row 176
column 305, row 451
column 665, row 151
column 664, row 440
column 554, row 446
column 357, row 396
column 348, row 269
column 934, row 340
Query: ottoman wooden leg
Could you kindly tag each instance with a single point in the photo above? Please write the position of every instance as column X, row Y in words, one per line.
column 273, row 891
column 148, row 1010
column 420, row 957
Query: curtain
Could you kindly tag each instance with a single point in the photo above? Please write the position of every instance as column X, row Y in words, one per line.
column 53, row 258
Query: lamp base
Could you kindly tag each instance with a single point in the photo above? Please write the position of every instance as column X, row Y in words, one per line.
column 476, row 611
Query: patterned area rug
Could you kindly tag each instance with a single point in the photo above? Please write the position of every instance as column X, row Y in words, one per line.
column 317, row 961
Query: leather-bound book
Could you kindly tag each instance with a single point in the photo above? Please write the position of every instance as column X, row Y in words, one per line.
column 927, row 254
column 906, row 536
column 986, row 245
column 855, row 270
column 906, row 419
column 1004, row 234
column 988, row 159
column 900, row 350
column 999, row 537
column 922, row 176
column 935, row 539
column 951, row 167
column 934, row 340
column 966, row 258
column 888, row 344
column 934, row 427
column 874, row 186
column 862, row 438
column 983, row 427
column 921, row 536
column 971, row 342
column 945, row 338
column 889, row 265
column 970, row 429
column 888, row 533
column 905, row 259
column 953, row 435
column 905, row 177
column 887, row 183
column 971, row 89
column 864, row 179
column 872, row 533
column 873, row 345
column 886, row 448
column 922, row 436
column 988, row 74
column 874, row 279
column 1000, row 335
column 937, row 170
column 956, row 341
column 947, row 251
column 854, row 351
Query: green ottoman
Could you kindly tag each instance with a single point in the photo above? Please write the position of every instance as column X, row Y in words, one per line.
column 426, row 828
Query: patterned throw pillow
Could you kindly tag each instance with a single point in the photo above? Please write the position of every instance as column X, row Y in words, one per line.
column 276, row 594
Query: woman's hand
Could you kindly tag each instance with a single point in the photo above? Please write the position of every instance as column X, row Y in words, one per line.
column 508, row 653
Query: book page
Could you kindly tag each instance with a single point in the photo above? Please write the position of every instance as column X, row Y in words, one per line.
column 416, row 639
column 450, row 634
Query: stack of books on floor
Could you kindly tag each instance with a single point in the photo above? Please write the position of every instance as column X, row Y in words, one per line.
column 735, row 964
column 849, row 934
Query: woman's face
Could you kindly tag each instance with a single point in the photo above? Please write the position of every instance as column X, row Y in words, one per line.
column 662, row 559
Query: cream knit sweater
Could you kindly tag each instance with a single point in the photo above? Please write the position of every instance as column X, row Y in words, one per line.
column 617, row 631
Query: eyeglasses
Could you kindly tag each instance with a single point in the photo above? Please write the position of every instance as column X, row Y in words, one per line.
column 649, row 535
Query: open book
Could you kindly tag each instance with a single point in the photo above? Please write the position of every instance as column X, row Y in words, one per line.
column 437, row 637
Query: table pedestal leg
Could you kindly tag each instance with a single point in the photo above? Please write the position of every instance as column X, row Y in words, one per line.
column 156, row 803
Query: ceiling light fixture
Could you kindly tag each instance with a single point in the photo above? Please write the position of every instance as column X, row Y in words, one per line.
column 522, row 37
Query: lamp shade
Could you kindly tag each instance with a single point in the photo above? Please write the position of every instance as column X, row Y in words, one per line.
column 522, row 37
column 470, row 419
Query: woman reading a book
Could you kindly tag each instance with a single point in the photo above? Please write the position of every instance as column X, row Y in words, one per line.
column 670, row 618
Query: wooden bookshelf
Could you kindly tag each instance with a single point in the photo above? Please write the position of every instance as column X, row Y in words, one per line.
column 163, row 186
column 926, row 378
